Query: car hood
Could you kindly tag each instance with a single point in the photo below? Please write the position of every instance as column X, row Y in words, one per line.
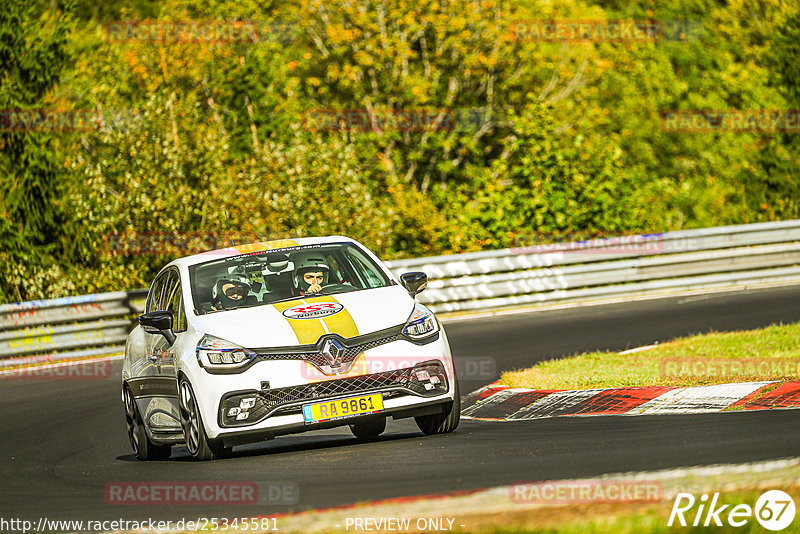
column 283, row 324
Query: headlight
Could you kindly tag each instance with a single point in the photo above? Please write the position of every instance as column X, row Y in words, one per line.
column 214, row 352
column 421, row 323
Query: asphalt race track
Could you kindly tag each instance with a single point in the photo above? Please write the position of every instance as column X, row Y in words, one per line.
column 63, row 441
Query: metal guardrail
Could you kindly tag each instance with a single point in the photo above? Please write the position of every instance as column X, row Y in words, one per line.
column 612, row 267
column 67, row 328
column 77, row 327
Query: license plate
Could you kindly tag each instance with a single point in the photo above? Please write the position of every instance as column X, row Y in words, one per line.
column 342, row 408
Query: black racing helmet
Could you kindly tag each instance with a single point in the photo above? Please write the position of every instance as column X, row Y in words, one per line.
column 310, row 263
column 233, row 286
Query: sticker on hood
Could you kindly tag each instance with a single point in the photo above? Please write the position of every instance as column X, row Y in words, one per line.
column 312, row 311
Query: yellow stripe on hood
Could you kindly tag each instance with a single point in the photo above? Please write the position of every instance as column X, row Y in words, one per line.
column 308, row 331
column 341, row 323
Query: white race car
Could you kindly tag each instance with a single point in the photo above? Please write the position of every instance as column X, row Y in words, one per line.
column 246, row 343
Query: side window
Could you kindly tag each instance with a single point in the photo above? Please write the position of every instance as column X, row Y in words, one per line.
column 174, row 303
column 180, row 319
column 156, row 290
column 336, row 275
column 366, row 269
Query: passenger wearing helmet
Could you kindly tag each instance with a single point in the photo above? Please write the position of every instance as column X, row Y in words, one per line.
column 229, row 292
column 310, row 274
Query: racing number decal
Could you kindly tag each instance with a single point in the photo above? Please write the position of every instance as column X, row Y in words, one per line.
column 314, row 310
column 341, row 323
column 308, row 331
column 322, row 307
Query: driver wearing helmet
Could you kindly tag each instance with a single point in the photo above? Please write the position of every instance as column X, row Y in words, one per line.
column 229, row 292
column 310, row 274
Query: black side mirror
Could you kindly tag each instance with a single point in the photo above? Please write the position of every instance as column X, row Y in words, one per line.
column 158, row 322
column 414, row 282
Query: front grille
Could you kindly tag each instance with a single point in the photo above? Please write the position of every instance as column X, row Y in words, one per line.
column 289, row 399
column 333, row 388
column 350, row 353
column 353, row 346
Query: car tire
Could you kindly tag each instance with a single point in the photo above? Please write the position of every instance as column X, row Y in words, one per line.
column 445, row 421
column 143, row 448
column 369, row 430
column 194, row 433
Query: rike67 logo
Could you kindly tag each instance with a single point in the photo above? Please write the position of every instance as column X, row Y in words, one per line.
column 774, row 510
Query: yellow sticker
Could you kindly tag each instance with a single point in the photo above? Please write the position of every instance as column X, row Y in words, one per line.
column 266, row 245
column 252, row 247
column 281, row 243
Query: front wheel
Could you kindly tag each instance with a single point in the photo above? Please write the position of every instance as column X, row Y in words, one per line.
column 445, row 421
column 198, row 443
column 143, row 448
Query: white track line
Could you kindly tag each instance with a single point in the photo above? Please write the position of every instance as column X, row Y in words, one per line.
column 638, row 349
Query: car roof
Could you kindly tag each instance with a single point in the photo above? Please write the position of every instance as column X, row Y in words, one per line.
column 238, row 250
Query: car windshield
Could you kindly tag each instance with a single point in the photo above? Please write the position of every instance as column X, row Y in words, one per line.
column 270, row 276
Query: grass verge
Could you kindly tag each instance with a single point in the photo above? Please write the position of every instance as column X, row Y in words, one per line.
column 771, row 353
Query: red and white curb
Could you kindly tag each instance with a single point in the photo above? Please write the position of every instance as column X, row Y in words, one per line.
column 501, row 403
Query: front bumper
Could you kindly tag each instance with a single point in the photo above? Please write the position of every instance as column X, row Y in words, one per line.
column 294, row 424
column 245, row 408
column 276, row 390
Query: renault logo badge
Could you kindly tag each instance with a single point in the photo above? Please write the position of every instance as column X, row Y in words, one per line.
column 333, row 352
